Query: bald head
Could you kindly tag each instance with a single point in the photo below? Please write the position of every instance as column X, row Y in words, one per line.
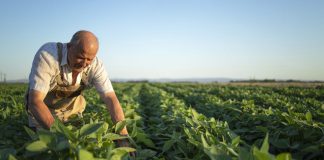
column 85, row 39
column 82, row 49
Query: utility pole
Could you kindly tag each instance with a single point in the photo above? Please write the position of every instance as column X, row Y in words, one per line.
column 4, row 79
column 0, row 77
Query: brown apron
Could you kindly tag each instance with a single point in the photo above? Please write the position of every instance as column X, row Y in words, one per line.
column 63, row 100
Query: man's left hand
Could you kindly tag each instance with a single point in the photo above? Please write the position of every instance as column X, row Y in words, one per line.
column 125, row 143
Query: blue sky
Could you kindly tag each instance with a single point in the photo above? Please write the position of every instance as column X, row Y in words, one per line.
column 174, row 38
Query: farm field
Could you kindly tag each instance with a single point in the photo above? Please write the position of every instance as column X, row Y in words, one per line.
column 176, row 121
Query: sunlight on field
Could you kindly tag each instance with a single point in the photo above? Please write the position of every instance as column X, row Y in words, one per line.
column 176, row 121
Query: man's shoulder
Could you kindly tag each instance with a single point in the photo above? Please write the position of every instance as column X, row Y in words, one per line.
column 96, row 64
column 96, row 68
column 48, row 51
column 49, row 47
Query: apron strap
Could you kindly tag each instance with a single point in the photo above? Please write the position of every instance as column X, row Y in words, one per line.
column 84, row 76
column 60, row 55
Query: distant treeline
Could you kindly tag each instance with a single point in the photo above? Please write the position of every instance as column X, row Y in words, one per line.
column 273, row 80
column 137, row 81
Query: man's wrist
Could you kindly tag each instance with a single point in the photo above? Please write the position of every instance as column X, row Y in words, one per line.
column 123, row 131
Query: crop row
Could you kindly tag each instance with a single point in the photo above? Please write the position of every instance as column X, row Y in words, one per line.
column 295, row 125
column 175, row 121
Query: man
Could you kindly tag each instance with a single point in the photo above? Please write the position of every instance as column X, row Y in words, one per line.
column 59, row 74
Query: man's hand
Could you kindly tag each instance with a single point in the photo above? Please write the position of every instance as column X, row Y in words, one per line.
column 114, row 108
column 117, row 114
column 39, row 109
column 125, row 143
column 122, row 143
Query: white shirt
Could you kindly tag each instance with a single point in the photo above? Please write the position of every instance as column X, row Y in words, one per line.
column 46, row 67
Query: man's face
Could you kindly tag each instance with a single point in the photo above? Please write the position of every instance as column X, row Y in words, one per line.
column 80, row 56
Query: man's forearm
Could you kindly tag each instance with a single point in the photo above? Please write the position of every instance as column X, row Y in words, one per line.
column 39, row 109
column 42, row 114
column 116, row 111
column 117, row 114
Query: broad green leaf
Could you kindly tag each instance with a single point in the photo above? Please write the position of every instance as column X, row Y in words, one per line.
column 113, row 136
column 119, row 126
column 132, row 142
column 134, row 130
column 120, row 152
column 47, row 137
column 11, row 157
column 236, row 141
column 213, row 151
column 59, row 126
column 231, row 150
column 146, row 154
column 117, row 155
column 91, row 121
column 244, row 154
column 294, row 145
column 129, row 112
column 137, row 117
column 188, row 120
column 167, row 145
column 5, row 153
column 104, row 128
column 188, row 133
column 309, row 116
column 261, row 128
column 215, row 154
column 63, row 144
column 108, row 146
column 265, row 144
column 31, row 133
column 85, row 155
column 89, row 129
column 142, row 137
column 210, row 137
column 37, row 146
column 194, row 142
column 204, row 142
column 126, row 149
column 259, row 155
column 310, row 148
column 284, row 156
column 195, row 114
column 281, row 143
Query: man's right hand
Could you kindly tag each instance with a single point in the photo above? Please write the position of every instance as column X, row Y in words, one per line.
column 39, row 109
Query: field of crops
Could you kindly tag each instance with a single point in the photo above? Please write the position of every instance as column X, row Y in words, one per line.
column 176, row 121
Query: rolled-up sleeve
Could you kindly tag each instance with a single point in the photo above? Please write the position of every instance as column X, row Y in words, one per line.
column 101, row 80
column 42, row 71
